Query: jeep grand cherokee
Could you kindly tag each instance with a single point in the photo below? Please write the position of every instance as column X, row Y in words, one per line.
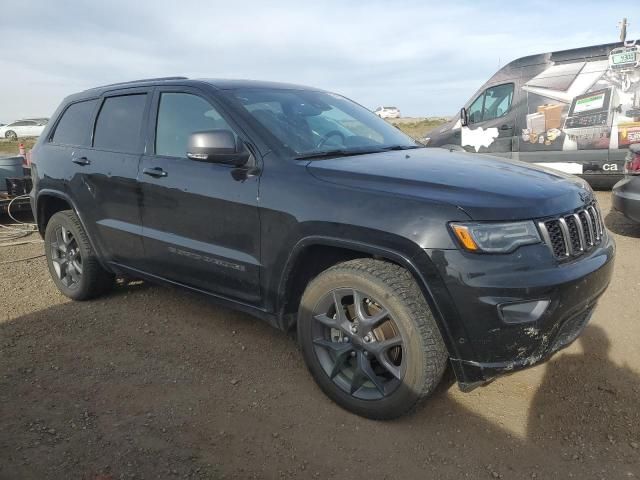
column 303, row 208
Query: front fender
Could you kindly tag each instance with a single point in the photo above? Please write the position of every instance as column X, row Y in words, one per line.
column 414, row 259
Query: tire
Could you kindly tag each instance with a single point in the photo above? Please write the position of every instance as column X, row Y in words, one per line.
column 72, row 263
column 401, row 378
column 10, row 135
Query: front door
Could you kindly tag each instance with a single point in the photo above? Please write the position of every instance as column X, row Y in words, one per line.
column 200, row 220
column 491, row 122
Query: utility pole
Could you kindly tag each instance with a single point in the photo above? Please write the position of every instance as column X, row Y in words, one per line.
column 623, row 29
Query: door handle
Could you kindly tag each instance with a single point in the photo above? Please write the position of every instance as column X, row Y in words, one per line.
column 506, row 127
column 155, row 172
column 83, row 161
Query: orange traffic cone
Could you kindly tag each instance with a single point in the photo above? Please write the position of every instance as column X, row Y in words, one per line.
column 21, row 150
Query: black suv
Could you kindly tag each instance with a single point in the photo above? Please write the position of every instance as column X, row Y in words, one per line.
column 305, row 209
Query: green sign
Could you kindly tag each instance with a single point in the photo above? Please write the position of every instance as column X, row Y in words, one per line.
column 624, row 57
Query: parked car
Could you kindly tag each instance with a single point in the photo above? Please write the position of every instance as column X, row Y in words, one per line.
column 23, row 128
column 625, row 195
column 576, row 111
column 387, row 112
column 388, row 261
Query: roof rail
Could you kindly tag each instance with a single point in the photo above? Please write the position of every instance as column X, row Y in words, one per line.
column 139, row 81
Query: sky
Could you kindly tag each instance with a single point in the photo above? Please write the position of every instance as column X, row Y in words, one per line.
column 427, row 58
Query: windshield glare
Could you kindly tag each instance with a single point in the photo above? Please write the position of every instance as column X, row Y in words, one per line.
column 309, row 122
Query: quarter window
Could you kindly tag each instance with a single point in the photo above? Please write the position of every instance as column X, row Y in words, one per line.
column 73, row 127
column 475, row 110
column 180, row 115
column 119, row 123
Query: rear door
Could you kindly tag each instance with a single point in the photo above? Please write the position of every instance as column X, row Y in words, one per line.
column 491, row 127
column 32, row 129
column 200, row 220
column 105, row 184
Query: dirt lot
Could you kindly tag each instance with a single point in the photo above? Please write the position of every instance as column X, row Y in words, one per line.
column 156, row 383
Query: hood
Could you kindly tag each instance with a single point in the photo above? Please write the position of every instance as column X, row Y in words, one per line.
column 486, row 187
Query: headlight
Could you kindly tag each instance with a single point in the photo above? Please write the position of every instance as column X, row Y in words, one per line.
column 495, row 237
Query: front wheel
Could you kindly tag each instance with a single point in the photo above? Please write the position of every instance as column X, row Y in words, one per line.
column 369, row 339
column 11, row 135
column 72, row 262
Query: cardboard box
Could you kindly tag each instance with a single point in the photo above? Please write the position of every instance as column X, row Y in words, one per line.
column 536, row 123
column 552, row 115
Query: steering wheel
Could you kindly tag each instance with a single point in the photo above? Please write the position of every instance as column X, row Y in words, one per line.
column 328, row 135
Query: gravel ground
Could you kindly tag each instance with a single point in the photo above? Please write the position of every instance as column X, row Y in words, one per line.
column 151, row 382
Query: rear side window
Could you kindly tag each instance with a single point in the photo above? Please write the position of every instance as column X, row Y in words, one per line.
column 73, row 127
column 119, row 123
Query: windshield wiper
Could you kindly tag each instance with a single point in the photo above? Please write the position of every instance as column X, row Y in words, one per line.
column 341, row 152
column 400, row 147
column 335, row 153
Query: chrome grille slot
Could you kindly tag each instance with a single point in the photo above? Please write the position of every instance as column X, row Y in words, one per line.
column 575, row 234
column 587, row 228
column 572, row 235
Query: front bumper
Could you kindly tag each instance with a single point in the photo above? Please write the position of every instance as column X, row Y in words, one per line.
column 625, row 197
column 478, row 285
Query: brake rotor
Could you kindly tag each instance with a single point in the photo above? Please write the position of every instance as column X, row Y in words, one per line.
column 387, row 330
column 384, row 331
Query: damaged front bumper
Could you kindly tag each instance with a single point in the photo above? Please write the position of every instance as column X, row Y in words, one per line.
column 516, row 310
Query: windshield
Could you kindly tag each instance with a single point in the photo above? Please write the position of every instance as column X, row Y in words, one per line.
column 311, row 123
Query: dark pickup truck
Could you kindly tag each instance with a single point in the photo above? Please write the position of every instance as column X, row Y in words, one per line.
column 303, row 208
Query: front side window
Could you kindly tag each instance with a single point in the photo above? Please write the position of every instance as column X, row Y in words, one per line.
column 180, row 115
column 73, row 127
column 493, row 103
column 497, row 101
column 119, row 123
column 308, row 122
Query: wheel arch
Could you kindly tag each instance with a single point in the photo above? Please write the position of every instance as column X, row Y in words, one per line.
column 48, row 203
column 297, row 274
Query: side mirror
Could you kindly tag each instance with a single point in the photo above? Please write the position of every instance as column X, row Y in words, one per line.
column 216, row 146
column 464, row 117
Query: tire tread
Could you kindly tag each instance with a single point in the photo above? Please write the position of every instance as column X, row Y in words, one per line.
column 97, row 280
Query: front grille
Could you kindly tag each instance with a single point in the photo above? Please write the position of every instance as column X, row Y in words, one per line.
column 572, row 235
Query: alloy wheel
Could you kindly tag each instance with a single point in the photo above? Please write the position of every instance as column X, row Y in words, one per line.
column 66, row 258
column 358, row 344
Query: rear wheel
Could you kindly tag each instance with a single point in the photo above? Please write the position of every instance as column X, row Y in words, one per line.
column 10, row 135
column 72, row 262
column 369, row 338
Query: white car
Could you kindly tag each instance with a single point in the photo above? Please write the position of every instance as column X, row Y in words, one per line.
column 387, row 112
column 23, row 128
